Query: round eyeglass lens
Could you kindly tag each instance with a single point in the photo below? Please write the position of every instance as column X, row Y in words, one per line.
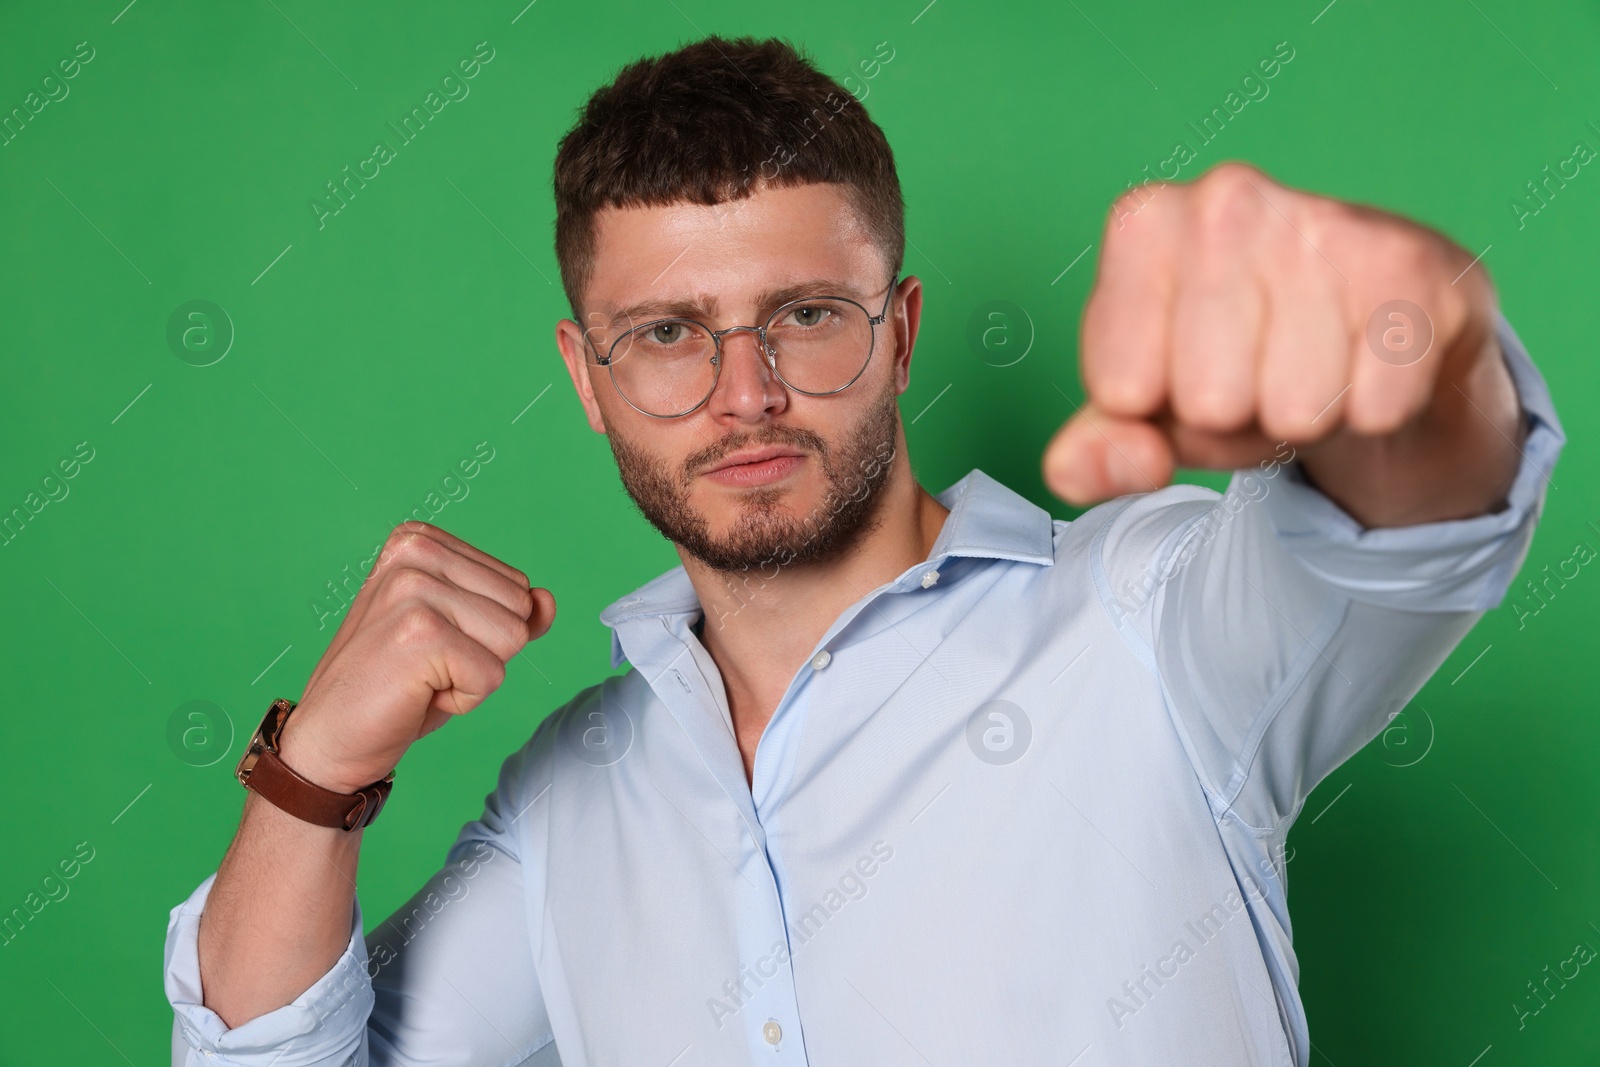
column 821, row 345
column 665, row 367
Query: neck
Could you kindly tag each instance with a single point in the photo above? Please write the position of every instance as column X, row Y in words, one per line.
column 759, row 627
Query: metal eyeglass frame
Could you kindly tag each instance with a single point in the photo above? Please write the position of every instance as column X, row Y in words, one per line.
column 873, row 321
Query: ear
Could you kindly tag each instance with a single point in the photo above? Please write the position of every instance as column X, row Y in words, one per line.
column 574, row 352
column 905, row 315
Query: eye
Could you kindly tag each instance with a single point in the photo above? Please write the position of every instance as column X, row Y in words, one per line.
column 666, row 332
column 811, row 315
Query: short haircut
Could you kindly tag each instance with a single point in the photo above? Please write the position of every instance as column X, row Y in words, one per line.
column 712, row 122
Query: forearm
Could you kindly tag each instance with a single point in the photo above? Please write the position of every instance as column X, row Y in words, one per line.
column 1457, row 460
column 278, row 916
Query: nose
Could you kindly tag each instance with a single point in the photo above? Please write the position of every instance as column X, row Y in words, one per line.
column 747, row 389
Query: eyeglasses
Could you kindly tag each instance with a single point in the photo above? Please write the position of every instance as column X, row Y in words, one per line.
column 817, row 345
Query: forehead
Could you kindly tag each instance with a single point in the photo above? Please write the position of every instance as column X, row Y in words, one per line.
column 723, row 256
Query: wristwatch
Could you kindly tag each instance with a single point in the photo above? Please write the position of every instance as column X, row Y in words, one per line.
column 261, row 769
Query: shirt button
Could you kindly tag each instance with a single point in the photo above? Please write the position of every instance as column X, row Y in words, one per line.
column 929, row 578
column 772, row 1031
column 821, row 660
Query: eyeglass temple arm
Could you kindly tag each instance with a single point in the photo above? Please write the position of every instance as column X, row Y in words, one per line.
column 877, row 320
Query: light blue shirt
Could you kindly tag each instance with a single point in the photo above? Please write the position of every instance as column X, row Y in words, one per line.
column 1026, row 804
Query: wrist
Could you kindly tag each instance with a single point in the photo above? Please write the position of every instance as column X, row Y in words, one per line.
column 332, row 801
column 301, row 753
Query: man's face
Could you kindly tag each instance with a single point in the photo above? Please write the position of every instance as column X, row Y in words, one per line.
column 719, row 264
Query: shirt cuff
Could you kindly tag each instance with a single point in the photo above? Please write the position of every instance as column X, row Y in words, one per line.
column 1452, row 565
column 324, row 1025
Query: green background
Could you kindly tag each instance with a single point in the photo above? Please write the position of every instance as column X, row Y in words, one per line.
column 1459, row 855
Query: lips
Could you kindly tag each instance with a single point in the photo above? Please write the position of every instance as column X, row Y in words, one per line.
column 754, row 455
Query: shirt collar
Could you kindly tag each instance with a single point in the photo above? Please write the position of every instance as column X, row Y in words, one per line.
column 987, row 519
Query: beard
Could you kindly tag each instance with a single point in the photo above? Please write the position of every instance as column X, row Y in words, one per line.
column 764, row 534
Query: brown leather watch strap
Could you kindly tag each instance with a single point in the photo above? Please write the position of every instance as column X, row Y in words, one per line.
column 262, row 770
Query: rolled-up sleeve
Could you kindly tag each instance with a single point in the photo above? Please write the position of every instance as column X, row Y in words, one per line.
column 448, row 978
column 324, row 1025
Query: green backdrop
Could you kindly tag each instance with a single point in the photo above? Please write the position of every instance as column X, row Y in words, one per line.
column 226, row 474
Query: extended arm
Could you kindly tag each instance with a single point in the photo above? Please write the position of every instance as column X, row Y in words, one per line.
column 1286, row 633
column 1232, row 316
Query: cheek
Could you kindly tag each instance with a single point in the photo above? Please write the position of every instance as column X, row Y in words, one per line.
column 610, row 402
column 637, row 455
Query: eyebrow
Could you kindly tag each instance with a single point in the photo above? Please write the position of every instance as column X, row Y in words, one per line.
column 705, row 307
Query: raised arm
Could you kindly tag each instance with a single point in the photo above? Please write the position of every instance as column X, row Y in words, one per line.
column 427, row 637
column 449, row 977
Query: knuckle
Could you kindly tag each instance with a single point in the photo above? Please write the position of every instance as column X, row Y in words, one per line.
column 1223, row 214
column 418, row 624
column 1426, row 259
column 1233, row 181
column 1230, row 179
column 1469, row 273
column 1233, row 170
column 1323, row 219
column 407, row 531
column 405, row 541
column 1402, row 252
column 409, row 583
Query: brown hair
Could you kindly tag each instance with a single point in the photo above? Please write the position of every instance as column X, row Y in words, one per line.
column 711, row 122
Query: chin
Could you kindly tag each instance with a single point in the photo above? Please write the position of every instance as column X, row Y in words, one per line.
column 724, row 506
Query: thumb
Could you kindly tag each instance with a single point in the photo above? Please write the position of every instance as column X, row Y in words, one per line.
column 1096, row 456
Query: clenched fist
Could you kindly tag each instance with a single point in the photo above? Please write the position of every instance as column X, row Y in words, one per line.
column 427, row 637
column 1232, row 314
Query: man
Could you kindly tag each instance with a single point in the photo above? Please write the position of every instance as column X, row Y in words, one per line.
column 894, row 777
